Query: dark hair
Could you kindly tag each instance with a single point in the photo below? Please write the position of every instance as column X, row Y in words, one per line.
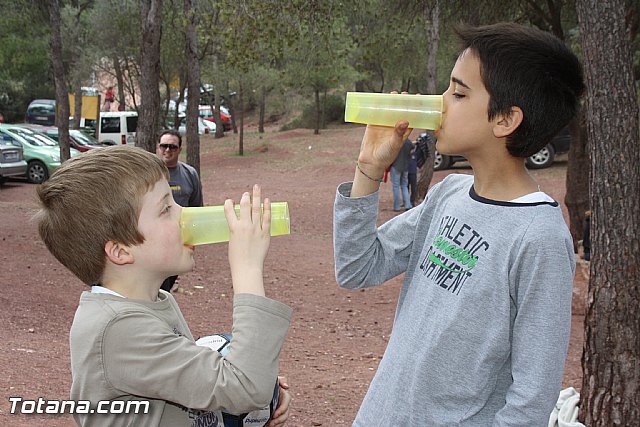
column 531, row 69
column 171, row 132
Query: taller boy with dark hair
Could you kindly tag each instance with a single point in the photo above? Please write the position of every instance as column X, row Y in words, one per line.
column 483, row 318
column 109, row 217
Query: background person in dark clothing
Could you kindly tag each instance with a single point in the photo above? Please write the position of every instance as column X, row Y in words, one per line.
column 183, row 179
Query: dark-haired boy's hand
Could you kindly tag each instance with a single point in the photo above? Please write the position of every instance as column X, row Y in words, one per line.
column 380, row 147
column 249, row 238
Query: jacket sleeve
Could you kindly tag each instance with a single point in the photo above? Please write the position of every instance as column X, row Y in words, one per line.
column 364, row 254
column 156, row 363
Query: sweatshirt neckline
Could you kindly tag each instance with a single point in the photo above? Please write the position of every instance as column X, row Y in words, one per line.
column 480, row 199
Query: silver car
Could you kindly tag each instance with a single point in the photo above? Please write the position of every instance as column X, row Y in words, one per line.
column 12, row 161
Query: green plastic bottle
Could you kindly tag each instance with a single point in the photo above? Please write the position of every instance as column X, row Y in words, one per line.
column 203, row 225
column 385, row 109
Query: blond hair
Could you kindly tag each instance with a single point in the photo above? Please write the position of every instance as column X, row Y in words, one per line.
column 92, row 199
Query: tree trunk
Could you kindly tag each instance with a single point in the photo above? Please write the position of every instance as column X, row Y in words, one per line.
column 62, row 95
column 241, row 113
column 432, row 19
column 120, row 82
column 611, row 372
column 261, row 106
column 193, row 138
column 148, row 123
column 77, row 103
column 425, row 174
column 316, row 94
column 577, row 195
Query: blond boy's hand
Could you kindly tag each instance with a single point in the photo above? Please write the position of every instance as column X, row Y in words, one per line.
column 281, row 414
column 249, row 238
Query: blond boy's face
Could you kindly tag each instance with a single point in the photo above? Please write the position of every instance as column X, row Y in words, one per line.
column 162, row 254
column 465, row 128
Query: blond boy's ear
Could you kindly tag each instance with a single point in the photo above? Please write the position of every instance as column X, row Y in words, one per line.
column 118, row 253
column 506, row 124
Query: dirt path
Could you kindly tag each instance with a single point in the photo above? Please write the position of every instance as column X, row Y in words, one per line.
column 337, row 337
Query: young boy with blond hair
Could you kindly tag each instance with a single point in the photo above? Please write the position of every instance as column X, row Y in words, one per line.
column 110, row 218
column 483, row 319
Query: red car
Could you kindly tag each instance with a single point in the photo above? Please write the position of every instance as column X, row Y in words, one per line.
column 207, row 114
column 77, row 139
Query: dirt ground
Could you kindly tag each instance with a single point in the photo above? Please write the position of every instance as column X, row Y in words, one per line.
column 337, row 337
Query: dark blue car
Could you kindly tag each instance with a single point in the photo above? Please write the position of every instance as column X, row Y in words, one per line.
column 41, row 112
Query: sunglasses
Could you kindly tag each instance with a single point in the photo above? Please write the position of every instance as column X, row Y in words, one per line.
column 170, row 147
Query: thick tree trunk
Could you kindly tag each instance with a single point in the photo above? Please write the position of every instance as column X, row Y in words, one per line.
column 577, row 195
column 62, row 95
column 193, row 138
column 149, row 113
column 611, row 372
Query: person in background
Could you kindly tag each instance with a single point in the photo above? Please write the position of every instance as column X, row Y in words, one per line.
column 413, row 176
column 109, row 97
column 183, row 179
column 400, row 177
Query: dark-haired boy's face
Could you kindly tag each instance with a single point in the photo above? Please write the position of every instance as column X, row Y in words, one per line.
column 465, row 126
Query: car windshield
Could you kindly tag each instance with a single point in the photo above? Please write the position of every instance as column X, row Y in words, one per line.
column 83, row 139
column 33, row 138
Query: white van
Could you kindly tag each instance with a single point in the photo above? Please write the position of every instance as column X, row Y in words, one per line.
column 117, row 127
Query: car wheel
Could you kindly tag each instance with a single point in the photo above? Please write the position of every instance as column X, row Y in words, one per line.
column 441, row 161
column 542, row 159
column 37, row 172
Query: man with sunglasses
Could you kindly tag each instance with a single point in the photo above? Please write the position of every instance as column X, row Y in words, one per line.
column 183, row 179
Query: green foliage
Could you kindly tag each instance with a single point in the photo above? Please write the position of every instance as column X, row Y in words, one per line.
column 333, row 113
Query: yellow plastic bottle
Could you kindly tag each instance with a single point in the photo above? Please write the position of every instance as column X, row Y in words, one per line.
column 385, row 109
column 202, row 225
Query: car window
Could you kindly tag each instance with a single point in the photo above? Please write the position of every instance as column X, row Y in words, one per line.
column 132, row 123
column 33, row 138
column 110, row 125
column 53, row 134
column 43, row 109
column 9, row 140
column 83, row 139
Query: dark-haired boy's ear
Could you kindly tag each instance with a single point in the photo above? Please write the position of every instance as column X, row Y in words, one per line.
column 118, row 253
column 506, row 124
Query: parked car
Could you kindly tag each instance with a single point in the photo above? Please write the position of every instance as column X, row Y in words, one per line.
column 203, row 127
column 12, row 161
column 545, row 157
column 207, row 114
column 77, row 139
column 41, row 112
column 542, row 159
column 41, row 153
column 117, row 127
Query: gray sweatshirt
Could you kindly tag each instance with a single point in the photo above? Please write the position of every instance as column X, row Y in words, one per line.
column 483, row 317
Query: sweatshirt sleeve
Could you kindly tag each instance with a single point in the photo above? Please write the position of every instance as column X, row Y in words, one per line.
column 543, row 289
column 154, row 362
column 364, row 254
